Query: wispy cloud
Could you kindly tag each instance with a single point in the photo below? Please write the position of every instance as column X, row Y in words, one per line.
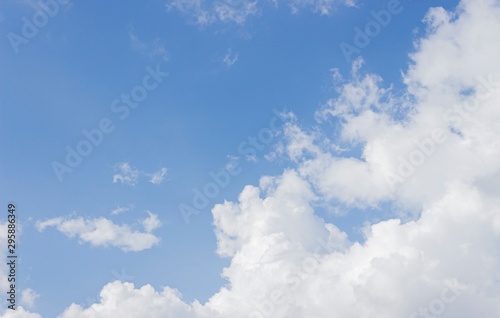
column 29, row 297
column 206, row 12
column 129, row 175
column 230, row 58
column 323, row 7
column 120, row 210
column 158, row 176
column 125, row 174
column 151, row 50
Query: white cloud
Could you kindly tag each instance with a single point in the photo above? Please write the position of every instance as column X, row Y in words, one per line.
column 29, row 297
column 125, row 174
column 443, row 261
column 151, row 223
column 124, row 300
column 158, row 176
column 129, row 175
column 120, row 210
column 103, row 232
column 20, row 312
column 236, row 11
column 323, row 7
column 206, row 12
column 287, row 262
column 230, row 58
column 405, row 159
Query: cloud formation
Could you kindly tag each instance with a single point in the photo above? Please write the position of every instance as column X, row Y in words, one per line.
column 124, row 300
column 103, row 232
column 431, row 152
column 20, row 312
column 126, row 174
column 120, row 210
column 206, row 12
column 230, row 58
column 158, row 176
column 203, row 12
column 29, row 297
column 151, row 223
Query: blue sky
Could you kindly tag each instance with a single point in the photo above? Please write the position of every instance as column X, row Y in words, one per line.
column 225, row 79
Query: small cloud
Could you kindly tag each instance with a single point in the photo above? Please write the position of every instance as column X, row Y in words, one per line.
column 29, row 297
column 103, row 232
column 153, row 50
column 129, row 175
column 120, row 210
column 125, row 174
column 230, row 58
column 151, row 223
column 158, row 176
column 47, row 223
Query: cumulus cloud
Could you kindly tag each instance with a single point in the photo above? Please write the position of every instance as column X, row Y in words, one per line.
column 448, row 135
column 103, row 232
column 432, row 150
column 20, row 312
column 124, row 300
